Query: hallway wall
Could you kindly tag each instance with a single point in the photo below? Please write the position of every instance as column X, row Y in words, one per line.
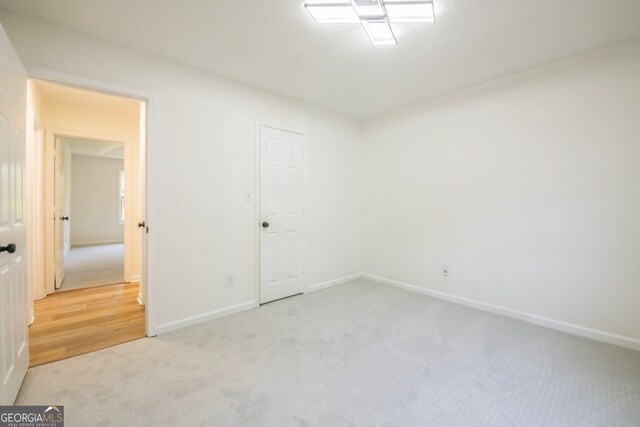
column 95, row 201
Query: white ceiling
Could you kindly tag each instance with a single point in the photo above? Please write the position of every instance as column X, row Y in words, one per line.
column 61, row 94
column 95, row 148
column 277, row 46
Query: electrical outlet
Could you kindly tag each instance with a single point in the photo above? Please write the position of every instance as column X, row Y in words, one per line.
column 228, row 280
column 444, row 268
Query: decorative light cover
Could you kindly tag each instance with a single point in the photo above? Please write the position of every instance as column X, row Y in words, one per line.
column 379, row 31
column 402, row 11
column 333, row 13
column 374, row 15
column 368, row 8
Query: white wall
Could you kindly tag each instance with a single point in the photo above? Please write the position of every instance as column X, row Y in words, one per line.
column 95, row 200
column 527, row 187
column 200, row 158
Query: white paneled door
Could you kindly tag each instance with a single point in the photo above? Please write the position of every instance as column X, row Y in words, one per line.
column 58, row 213
column 281, row 213
column 14, row 356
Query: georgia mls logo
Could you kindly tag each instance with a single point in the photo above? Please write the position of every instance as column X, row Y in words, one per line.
column 31, row 416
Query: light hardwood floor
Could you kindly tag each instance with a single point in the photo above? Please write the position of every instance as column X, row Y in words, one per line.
column 75, row 322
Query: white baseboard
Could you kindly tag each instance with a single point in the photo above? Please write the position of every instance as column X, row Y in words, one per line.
column 334, row 282
column 194, row 320
column 205, row 317
column 96, row 242
column 558, row 325
column 134, row 278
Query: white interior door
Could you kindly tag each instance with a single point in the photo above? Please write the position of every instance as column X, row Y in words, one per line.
column 142, row 227
column 281, row 213
column 58, row 210
column 14, row 349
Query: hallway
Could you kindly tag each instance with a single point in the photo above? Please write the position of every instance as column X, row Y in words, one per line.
column 81, row 321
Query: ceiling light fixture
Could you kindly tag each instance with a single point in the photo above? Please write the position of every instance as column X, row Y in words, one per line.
column 374, row 15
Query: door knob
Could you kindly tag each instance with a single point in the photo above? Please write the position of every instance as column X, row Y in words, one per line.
column 141, row 224
column 265, row 224
column 10, row 248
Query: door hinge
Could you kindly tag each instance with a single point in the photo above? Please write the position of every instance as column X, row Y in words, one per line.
column 143, row 225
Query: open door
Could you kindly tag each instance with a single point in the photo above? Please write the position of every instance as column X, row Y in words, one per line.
column 142, row 226
column 14, row 348
column 55, row 216
column 58, row 213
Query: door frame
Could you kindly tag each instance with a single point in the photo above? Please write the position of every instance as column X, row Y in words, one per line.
column 34, row 194
column 49, row 146
column 152, row 124
column 258, row 124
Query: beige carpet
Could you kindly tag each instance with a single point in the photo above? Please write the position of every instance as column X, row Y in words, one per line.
column 359, row 354
column 87, row 266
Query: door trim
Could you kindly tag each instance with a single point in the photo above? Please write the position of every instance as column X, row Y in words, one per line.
column 34, row 195
column 152, row 127
column 256, row 198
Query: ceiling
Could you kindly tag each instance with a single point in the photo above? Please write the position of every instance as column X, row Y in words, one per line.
column 276, row 45
column 61, row 94
column 95, row 148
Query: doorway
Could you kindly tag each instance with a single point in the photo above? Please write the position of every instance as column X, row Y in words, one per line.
column 90, row 199
column 282, row 173
column 89, row 213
